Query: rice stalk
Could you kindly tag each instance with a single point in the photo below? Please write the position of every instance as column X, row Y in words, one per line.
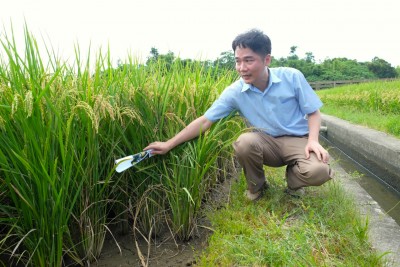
column 63, row 128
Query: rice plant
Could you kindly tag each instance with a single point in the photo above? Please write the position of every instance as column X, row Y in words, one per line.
column 62, row 126
column 374, row 104
column 36, row 161
column 380, row 97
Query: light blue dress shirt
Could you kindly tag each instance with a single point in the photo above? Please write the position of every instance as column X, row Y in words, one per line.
column 280, row 110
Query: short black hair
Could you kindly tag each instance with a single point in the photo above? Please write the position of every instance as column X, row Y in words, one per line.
column 254, row 39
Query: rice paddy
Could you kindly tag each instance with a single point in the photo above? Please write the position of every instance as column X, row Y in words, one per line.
column 373, row 104
column 62, row 127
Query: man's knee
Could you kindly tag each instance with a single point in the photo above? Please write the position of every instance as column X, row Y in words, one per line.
column 314, row 174
column 317, row 173
column 244, row 144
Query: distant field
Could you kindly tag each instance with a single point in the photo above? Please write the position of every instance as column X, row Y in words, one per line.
column 375, row 104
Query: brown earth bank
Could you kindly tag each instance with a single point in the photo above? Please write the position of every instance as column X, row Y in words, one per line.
column 164, row 251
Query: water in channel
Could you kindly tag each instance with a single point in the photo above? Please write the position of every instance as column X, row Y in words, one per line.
column 386, row 196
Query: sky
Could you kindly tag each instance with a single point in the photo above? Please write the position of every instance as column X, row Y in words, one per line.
column 355, row 29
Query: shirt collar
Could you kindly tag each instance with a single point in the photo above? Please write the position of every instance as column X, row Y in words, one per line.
column 272, row 79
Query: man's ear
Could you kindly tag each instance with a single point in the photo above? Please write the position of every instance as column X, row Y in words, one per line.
column 267, row 60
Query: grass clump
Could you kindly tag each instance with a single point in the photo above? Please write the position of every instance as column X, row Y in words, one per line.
column 375, row 104
column 320, row 229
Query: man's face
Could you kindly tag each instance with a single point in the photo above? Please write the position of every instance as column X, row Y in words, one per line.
column 251, row 66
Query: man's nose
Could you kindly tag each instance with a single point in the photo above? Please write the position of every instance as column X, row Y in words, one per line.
column 242, row 66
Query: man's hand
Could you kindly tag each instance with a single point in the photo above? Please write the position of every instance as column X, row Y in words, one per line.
column 158, row 148
column 314, row 124
column 314, row 146
column 191, row 131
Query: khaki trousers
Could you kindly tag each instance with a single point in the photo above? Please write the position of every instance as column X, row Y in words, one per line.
column 256, row 149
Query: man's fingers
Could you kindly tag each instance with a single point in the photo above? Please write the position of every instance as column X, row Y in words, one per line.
column 319, row 155
column 307, row 153
column 319, row 151
column 325, row 157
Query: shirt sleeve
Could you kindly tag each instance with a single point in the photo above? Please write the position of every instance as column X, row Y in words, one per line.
column 308, row 100
column 222, row 107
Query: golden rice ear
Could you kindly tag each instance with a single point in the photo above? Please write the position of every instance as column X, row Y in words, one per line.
column 15, row 104
column 130, row 113
column 102, row 107
column 28, row 103
column 88, row 110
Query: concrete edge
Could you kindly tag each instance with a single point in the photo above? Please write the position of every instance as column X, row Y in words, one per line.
column 370, row 146
column 383, row 232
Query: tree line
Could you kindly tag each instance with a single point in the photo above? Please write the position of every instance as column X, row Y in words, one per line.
column 327, row 70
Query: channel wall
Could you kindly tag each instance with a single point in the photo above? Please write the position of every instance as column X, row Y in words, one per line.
column 381, row 153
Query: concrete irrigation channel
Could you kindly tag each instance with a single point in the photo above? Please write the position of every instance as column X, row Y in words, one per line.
column 376, row 156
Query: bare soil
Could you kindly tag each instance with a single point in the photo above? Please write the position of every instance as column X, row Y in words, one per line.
column 164, row 250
